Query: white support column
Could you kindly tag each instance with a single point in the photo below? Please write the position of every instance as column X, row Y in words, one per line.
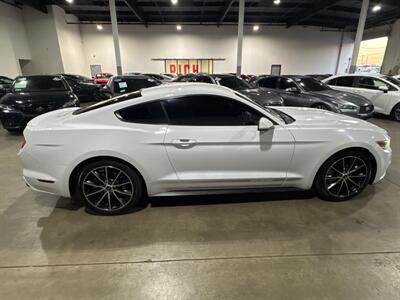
column 340, row 53
column 359, row 35
column 240, row 38
column 114, row 26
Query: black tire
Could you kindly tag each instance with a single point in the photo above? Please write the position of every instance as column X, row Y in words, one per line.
column 15, row 131
column 321, row 106
column 332, row 185
column 395, row 115
column 113, row 196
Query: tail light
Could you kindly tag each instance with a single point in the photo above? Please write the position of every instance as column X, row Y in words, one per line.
column 23, row 142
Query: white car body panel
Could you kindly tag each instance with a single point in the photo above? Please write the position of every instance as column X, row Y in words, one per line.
column 214, row 157
column 383, row 102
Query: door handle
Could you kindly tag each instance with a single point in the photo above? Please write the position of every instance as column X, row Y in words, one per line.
column 184, row 143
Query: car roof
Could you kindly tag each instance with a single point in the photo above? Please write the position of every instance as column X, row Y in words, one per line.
column 37, row 76
column 360, row 74
column 181, row 89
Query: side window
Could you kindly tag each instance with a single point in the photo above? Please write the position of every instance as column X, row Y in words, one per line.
column 332, row 81
column 286, row 83
column 345, row 81
column 370, row 83
column 145, row 113
column 268, row 82
column 209, row 110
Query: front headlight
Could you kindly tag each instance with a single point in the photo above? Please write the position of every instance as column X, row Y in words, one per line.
column 6, row 108
column 349, row 108
column 385, row 144
column 72, row 103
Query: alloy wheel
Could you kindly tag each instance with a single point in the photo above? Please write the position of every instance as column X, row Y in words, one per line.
column 397, row 113
column 108, row 188
column 346, row 176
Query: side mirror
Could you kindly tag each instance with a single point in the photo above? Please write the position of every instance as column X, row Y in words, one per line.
column 293, row 90
column 384, row 88
column 264, row 124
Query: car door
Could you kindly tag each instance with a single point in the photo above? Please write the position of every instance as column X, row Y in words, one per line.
column 290, row 93
column 370, row 87
column 214, row 142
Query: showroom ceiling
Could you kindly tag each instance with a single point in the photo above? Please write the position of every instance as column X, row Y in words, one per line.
column 324, row 13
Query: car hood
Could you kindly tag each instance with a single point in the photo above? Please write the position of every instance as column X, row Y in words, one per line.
column 37, row 98
column 342, row 97
column 317, row 118
column 263, row 96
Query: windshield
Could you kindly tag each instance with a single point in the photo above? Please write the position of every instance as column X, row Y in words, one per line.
column 311, row 85
column 233, row 82
column 392, row 80
column 126, row 85
column 276, row 113
column 39, row 84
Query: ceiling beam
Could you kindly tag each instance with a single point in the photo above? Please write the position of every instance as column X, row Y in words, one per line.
column 138, row 12
column 224, row 11
column 310, row 13
column 36, row 4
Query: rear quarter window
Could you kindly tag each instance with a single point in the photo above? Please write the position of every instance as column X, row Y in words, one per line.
column 144, row 113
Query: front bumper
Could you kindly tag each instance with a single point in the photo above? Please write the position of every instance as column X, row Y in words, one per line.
column 15, row 119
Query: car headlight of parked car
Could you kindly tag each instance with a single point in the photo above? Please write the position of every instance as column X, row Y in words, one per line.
column 6, row 108
column 349, row 108
column 385, row 144
column 72, row 103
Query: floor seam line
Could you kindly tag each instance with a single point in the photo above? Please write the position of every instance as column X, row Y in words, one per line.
column 150, row 261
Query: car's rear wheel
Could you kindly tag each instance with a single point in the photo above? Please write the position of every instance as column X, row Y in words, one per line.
column 343, row 176
column 321, row 106
column 109, row 187
column 396, row 113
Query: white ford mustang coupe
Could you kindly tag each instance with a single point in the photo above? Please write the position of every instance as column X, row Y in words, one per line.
column 197, row 139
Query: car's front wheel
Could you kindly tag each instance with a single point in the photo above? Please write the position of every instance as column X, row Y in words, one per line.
column 396, row 113
column 109, row 187
column 343, row 176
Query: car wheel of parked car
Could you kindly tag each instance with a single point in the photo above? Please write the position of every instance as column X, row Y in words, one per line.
column 396, row 113
column 321, row 106
column 109, row 187
column 343, row 176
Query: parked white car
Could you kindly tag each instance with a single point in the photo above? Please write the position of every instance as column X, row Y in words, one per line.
column 196, row 139
column 382, row 90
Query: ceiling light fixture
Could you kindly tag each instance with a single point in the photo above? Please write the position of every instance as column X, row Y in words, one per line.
column 174, row 2
column 376, row 8
column 178, row 27
column 256, row 27
column 70, row 1
column 277, row 2
column 99, row 27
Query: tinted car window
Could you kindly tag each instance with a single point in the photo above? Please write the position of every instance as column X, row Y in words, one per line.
column 332, row 81
column 233, row 82
column 148, row 113
column 108, row 102
column 209, row 110
column 204, row 79
column 311, row 85
column 268, row 82
column 126, row 85
column 345, row 81
column 286, row 83
column 39, row 84
column 370, row 83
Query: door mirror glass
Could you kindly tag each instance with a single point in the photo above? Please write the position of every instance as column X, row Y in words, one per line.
column 384, row 88
column 292, row 90
column 264, row 124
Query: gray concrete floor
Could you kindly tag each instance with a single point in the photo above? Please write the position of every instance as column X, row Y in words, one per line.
column 252, row 246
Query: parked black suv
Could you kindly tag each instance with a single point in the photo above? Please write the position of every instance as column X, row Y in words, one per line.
column 31, row 96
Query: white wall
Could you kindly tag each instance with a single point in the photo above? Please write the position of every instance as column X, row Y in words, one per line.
column 70, row 43
column 14, row 43
column 43, row 42
column 300, row 50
